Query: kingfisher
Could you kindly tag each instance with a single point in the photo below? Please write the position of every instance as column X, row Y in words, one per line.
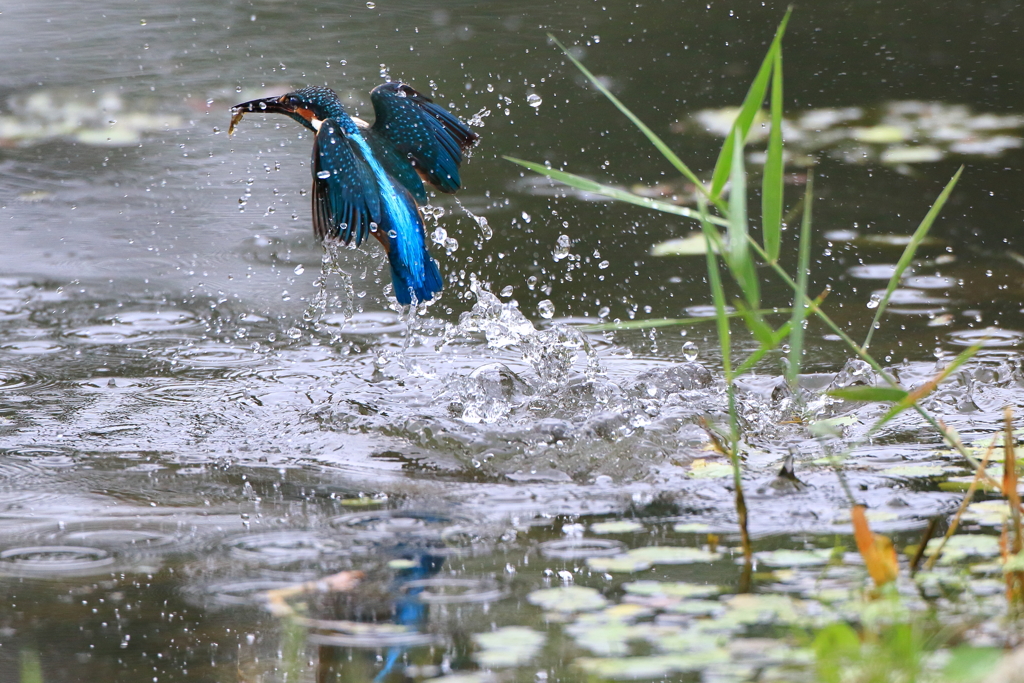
column 369, row 179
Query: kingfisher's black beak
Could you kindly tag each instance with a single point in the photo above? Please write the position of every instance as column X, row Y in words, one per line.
column 266, row 105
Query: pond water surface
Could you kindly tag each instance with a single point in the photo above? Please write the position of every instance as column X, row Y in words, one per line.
column 196, row 408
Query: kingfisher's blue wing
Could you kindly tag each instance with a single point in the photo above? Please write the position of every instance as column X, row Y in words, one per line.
column 397, row 165
column 345, row 195
column 430, row 136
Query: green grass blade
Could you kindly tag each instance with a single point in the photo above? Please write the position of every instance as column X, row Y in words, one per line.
column 751, row 105
column 651, row 135
column 796, row 329
column 31, row 670
column 665, row 322
column 949, row 436
column 870, row 394
column 738, row 255
column 771, row 181
column 909, row 251
column 912, row 398
column 587, row 185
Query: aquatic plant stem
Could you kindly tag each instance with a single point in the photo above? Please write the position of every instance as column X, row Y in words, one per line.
column 979, row 474
column 948, row 435
column 725, row 343
column 796, row 328
column 908, row 253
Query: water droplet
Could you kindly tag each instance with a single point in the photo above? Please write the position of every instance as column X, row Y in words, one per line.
column 527, row 217
column 490, row 87
column 263, row 105
column 299, row 269
column 293, row 332
column 603, row 312
column 690, row 351
column 439, row 236
column 323, row 175
column 507, row 290
column 534, row 100
column 531, row 282
column 603, row 264
column 142, row 22
column 875, row 300
column 546, row 309
column 371, row 5
column 562, row 247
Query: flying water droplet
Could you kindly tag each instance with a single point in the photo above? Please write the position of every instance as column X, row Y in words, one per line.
column 323, row 175
column 603, row 264
column 875, row 300
column 299, row 269
column 690, row 351
column 507, row 290
column 534, row 100
column 371, row 5
column 562, row 247
column 546, row 309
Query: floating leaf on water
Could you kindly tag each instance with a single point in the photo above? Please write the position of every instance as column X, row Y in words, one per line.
column 508, row 646
column 568, row 598
column 760, row 608
column 671, row 589
column 696, row 607
column 693, row 244
column 662, row 554
column 656, row 666
column 701, row 469
column 794, row 558
column 962, row 546
column 623, row 526
column 619, row 564
column 914, row 471
column 880, row 135
column 912, row 155
column 987, row 512
column 896, row 241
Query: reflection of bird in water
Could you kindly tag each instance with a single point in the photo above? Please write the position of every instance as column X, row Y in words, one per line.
column 368, row 179
column 393, row 600
column 409, row 610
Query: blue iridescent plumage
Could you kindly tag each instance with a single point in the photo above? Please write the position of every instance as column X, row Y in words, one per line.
column 368, row 179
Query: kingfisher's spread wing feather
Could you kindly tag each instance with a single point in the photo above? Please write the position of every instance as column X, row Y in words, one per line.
column 345, row 195
column 397, row 165
column 431, row 137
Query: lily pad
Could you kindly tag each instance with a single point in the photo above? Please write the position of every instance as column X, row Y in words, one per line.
column 671, row 589
column 620, row 564
column 660, row 554
column 693, row 244
column 711, row 470
column 624, row 526
column 794, row 558
column 568, row 599
column 962, row 546
column 914, row 471
column 656, row 666
column 508, row 646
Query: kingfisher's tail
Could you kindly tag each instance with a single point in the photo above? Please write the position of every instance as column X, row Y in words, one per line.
column 409, row 283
